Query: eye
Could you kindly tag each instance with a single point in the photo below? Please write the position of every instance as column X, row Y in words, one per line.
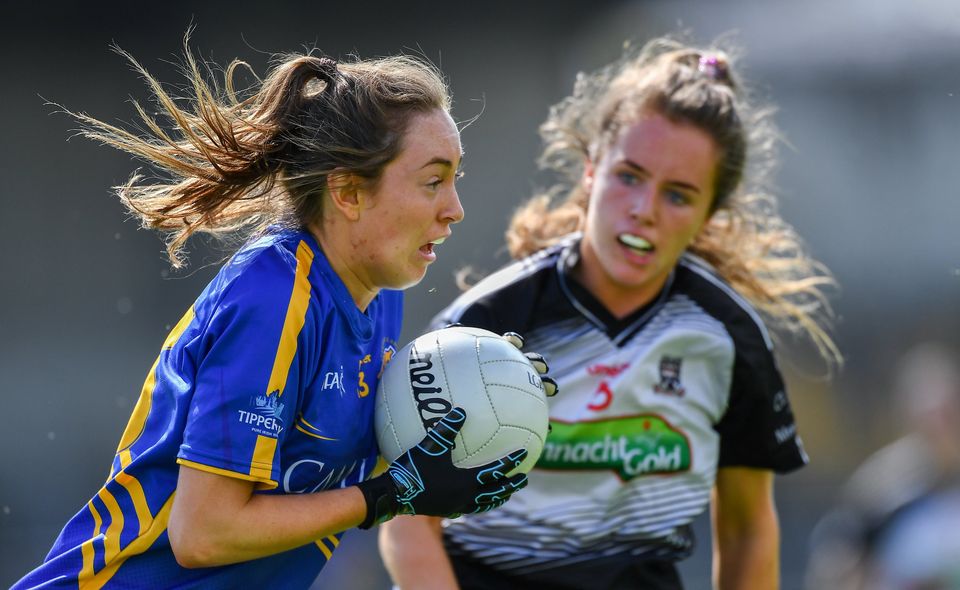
column 628, row 178
column 677, row 197
column 435, row 184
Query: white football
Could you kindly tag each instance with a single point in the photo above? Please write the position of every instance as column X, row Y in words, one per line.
column 477, row 370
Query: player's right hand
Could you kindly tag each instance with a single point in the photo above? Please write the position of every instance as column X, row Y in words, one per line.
column 550, row 387
column 425, row 481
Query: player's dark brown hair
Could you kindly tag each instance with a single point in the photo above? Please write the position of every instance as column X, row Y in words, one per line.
column 232, row 164
column 745, row 239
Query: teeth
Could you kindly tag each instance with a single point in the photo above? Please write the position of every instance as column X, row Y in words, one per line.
column 635, row 242
column 438, row 242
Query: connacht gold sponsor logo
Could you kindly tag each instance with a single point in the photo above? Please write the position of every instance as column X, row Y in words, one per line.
column 630, row 446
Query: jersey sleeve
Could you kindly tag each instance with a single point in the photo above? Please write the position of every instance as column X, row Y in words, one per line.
column 249, row 373
column 478, row 315
column 758, row 428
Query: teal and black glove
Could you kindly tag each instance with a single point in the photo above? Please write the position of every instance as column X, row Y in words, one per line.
column 424, row 480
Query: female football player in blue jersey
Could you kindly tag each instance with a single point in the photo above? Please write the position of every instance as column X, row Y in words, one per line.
column 251, row 447
column 645, row 288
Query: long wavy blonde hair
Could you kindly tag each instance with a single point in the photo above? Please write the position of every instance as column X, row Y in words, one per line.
column 228, row 164
column 745, row 239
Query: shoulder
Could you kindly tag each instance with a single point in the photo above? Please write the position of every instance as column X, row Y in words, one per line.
column 263, row 273
column 696, row 279
column 508, row 294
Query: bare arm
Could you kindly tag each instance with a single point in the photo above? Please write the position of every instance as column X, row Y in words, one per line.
column 746, row 534
column 413, row 553
column 216, row 519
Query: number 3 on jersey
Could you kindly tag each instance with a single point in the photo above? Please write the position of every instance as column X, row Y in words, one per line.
column 363, row 390
column 602, row 398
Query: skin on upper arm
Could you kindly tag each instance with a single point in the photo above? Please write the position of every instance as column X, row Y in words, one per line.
column 746, row 535
column 204, row 502
column 217, row 520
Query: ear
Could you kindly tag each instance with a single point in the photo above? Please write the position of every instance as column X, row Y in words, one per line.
column 344, row 189
column 587, row 176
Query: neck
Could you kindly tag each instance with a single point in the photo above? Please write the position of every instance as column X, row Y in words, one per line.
column 338, row 253
column 620, row 300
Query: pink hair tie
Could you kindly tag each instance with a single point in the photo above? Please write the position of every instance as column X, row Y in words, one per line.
column 713, row 67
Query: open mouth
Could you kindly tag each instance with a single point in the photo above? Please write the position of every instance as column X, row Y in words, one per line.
column 429, row 246
column 636, row 243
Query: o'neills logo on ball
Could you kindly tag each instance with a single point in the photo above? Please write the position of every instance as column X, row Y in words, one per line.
column 431, row 406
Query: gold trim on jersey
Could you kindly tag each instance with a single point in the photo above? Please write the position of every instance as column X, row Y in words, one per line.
column 149, row 528
column 138, row 419
column 296, row 315
column 262, row 484
column 93, row 581
column 328, row 551
column 316, row 431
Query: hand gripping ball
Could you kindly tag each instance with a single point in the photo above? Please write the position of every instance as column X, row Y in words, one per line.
column 477, row 370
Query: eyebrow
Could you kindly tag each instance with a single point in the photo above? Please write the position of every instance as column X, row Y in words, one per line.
column 442, row 161
column 677, row 183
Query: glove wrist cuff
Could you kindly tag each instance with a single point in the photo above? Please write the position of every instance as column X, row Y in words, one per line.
column 380, row 495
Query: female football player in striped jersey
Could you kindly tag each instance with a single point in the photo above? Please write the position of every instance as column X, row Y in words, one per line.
column 645, row 289
column 252, row 445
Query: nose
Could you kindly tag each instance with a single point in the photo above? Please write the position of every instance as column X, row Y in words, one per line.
column 453, row 212
column 643, row 207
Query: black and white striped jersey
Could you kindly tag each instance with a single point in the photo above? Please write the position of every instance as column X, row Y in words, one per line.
column 649, row 407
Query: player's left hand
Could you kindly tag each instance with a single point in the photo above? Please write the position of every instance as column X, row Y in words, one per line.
column 425, row 481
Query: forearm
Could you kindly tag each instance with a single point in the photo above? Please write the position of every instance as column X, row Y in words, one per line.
column 750, row 561
column 413, row 553
column 224, row 523
column 746, row 535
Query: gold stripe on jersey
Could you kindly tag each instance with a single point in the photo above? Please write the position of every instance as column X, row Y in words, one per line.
column 327, row 551
column 261, row 466
column 296, row 315
column 316, row 431
column 111, row 538
column 267, row 484
column 90, row 581
column 308, row 433
column 139, row 498
column 86, row 549
column 140, row 412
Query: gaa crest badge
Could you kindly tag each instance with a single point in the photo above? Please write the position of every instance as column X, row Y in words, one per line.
column 670, row 377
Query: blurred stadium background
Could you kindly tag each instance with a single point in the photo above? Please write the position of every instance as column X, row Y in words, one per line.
column 869, row 101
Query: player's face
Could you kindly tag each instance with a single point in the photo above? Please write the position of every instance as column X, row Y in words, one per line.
column 650, row 192
column 411, row 209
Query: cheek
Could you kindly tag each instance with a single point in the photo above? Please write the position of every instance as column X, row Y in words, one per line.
column 686, row 229
column 601, row 206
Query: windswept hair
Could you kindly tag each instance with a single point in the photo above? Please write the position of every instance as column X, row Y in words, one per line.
column 745, row 239
column 230, row 164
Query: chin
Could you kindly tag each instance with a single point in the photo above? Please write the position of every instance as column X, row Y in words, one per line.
column 400, row 283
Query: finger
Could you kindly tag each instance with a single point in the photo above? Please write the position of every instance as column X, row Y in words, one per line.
column 539, row 363
column 517, row 482
column 441, row 437
column 499, row 494
column 550, row 387
column 513, row 338
column 497, row 470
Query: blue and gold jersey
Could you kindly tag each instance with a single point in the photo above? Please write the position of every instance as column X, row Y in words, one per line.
column 268, row 377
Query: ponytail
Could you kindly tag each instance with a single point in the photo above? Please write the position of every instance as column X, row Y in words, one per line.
column 236, row 166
